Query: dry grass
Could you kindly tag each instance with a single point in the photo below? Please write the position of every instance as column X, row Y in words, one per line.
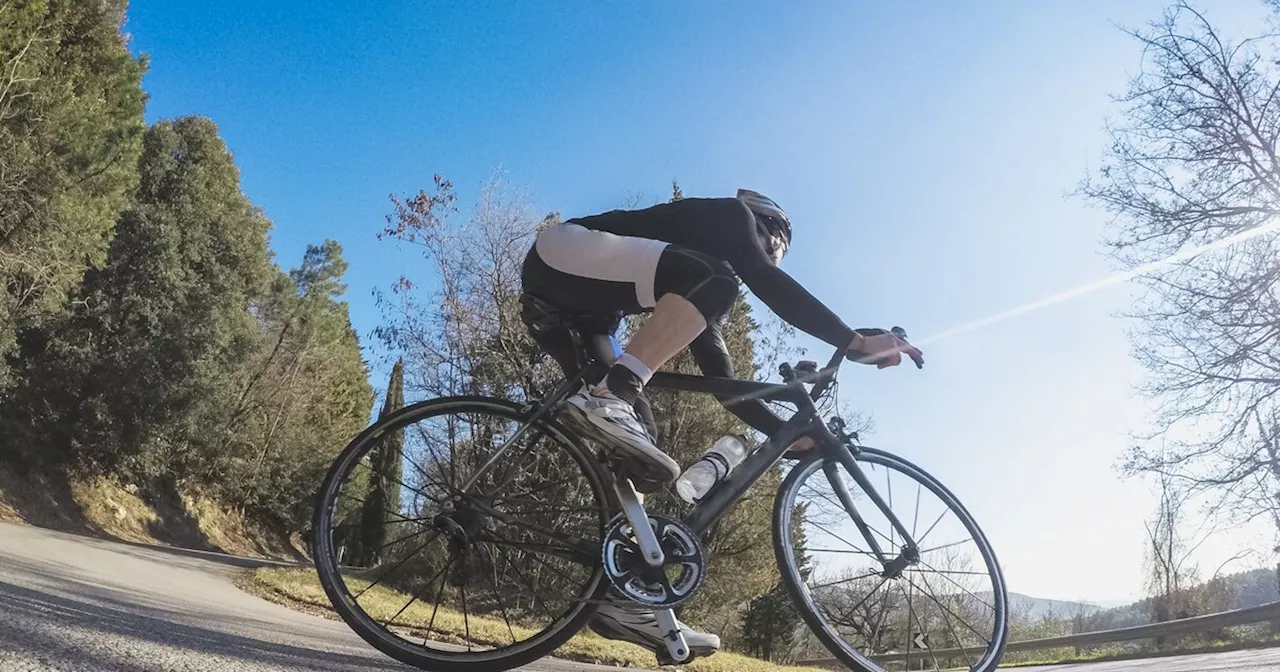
column 105, row 507
column 300, row 589
column 115, row 510
column 233, row 533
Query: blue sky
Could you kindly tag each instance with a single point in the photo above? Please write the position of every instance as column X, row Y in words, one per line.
column 924, row 152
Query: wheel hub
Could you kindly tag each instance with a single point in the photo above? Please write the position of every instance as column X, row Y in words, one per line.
column 895, row 567
column 461, row 525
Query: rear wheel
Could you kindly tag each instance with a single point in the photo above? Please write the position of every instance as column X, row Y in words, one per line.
column 477, row 581
column 873, row 601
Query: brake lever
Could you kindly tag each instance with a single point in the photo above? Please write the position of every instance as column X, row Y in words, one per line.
column 836, row 426
column 901, row 334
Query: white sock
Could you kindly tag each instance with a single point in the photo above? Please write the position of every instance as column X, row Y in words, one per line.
column 637, row 367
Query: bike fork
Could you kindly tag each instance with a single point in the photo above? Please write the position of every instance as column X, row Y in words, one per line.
column 651, row 552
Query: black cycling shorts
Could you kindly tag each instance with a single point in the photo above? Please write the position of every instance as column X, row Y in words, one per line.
column 598, row 272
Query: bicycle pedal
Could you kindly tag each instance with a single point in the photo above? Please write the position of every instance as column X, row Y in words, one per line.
column 677, row 648
column 625, row 469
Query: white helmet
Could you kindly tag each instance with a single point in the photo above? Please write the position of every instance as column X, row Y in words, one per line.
column 769, row 216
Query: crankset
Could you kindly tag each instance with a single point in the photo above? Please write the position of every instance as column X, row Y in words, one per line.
column 667, row 585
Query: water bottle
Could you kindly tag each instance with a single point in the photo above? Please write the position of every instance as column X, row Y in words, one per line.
column 715, row 464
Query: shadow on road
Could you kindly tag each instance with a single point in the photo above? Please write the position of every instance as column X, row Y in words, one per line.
column 78, row 632
column 148, row 551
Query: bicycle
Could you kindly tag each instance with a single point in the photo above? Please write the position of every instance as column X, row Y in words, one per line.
column 550, row 512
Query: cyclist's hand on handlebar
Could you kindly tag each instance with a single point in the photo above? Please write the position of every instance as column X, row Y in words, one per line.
column 882, row 348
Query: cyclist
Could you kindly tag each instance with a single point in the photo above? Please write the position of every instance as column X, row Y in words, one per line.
column 681, row 260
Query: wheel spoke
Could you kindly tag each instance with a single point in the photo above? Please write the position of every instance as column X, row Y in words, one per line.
column 906, row 632
column 511, row 472
column 863, row 601
column 466, row 620
column 841, row 539
column 878, row 633
column 949, row 611
column 407, row 537
column 915, row 519
column 944, row 573
column 402, row 483
column 397, row 514
column 954, row 543
column 919, row 625
column 935, row 524
column 893, row 545
column 532, row 491
column 497, row 593
column 439, row 593
column 951, row 628
column 396, row 566
column 839, row 550
column 574, row 555
column 537, row 596
column 414, row 597
column 568, row 540
column 931, row 570
column 843, row 581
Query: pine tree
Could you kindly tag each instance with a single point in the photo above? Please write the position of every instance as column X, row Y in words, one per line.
column 149, row 363
column 71, row 126
column 771, row 625
column 383, row 500
column 302, row 396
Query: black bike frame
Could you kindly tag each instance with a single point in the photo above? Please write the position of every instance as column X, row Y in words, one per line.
column 717, row 502
column 597, row 353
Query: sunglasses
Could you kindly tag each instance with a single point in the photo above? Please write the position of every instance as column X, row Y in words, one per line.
column 774, row 243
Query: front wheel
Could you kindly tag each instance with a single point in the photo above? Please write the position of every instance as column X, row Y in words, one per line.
column 876, row 601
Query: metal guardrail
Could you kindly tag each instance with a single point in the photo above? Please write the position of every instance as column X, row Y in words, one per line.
column 1222, row 619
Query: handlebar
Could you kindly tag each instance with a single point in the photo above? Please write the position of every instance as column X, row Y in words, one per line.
column 822, row 378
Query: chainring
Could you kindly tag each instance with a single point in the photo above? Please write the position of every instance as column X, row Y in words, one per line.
column 674, row 583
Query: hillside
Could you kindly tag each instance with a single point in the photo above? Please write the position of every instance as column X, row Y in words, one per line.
column 1035, row 608
column 1243, row 589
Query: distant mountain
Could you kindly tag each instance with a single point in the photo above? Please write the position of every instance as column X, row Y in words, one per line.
column 1112, row 604
column 1025, row 606
column 1245, row 589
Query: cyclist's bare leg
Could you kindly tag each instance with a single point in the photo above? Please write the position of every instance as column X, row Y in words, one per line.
column 674, row 324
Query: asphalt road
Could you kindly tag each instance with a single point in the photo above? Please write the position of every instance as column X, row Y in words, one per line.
column 1261, row 660
column 70, row 603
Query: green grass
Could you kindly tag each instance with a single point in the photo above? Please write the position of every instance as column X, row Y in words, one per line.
column 300, row 589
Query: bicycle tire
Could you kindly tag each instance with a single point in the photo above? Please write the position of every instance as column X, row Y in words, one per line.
column 327, row 563
column 801, row 598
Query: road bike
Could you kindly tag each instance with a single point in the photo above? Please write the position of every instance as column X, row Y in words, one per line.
column 476, row 534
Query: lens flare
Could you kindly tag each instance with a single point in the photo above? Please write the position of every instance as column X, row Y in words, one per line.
column 1103, row 283
column 1060, row 297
